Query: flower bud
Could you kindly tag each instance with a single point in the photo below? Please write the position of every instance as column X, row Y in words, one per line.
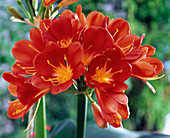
column 98, row 116
column 65, row 3
column 18, row 1
column 14, row 13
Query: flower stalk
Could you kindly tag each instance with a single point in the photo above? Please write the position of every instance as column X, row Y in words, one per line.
column 81, row 115
column 40, row 120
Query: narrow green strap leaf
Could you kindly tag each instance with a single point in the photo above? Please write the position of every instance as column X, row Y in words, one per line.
column 40, row 120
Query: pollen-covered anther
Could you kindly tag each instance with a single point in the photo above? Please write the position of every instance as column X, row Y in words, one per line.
column 117, row 30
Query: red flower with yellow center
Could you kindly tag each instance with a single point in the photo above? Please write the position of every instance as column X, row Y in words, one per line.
column 27, row 94
column 108, row 70
column 57, row 66
column 62, row 30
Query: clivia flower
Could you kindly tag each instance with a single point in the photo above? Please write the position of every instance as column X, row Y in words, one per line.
column 26, row 93
column 93, row 53
column 108, row 70
column 114, row 105
column 58, row 67
column 25, row 51
column 61, row 30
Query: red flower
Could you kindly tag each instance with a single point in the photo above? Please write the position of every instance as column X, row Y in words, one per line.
column 48, row 2
column 114, row 105
column 96, row 40
column 62, row 30
column 78, row 19
column 97, row 19
column 118, row 28
column 52, row 67
column 27, row 94
column 24, row 51
column 108, row 71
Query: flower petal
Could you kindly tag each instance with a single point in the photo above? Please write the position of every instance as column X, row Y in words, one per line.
column 61, row 87
column 156, row 63
column 24, row 50
column 119, row 28
column 143, row 69
column 16, row 109
column 36, row 38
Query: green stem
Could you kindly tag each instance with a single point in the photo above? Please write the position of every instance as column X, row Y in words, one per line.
column 24, row 10
column 40, row 120
column 41, row 8
column 81, row 115
column 30, row 10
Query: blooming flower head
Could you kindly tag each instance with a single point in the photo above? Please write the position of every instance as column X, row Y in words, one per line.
column 61, row 30
column 113, row 105
column 57, row 66
column 64, row 51
column 27, row 94
column 108, row 70
column 25, row 51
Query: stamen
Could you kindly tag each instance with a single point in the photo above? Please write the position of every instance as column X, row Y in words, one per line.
column 46, row 79
column 51, row 64
column 34, row 48
column 155, row 66
column 89, row 47
column 46, row 27
column 29, row 70
column 128, row 48
column 154, row 77
column 115, row 32
column 18, row 110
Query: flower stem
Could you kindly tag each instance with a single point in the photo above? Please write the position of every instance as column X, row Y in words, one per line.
column 81, row 115
column 30, row 11
column 40, row 120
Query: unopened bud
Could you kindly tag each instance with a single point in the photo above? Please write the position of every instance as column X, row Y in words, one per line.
column 98, row 116
column 14, row 13
column 18, row 1
column 65, row 3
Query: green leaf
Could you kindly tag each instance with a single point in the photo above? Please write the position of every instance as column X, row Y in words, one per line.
column 66, row 129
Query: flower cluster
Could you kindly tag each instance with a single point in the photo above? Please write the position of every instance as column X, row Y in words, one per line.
column 92, row 52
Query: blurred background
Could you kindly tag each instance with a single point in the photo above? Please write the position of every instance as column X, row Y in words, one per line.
column 149, row 112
